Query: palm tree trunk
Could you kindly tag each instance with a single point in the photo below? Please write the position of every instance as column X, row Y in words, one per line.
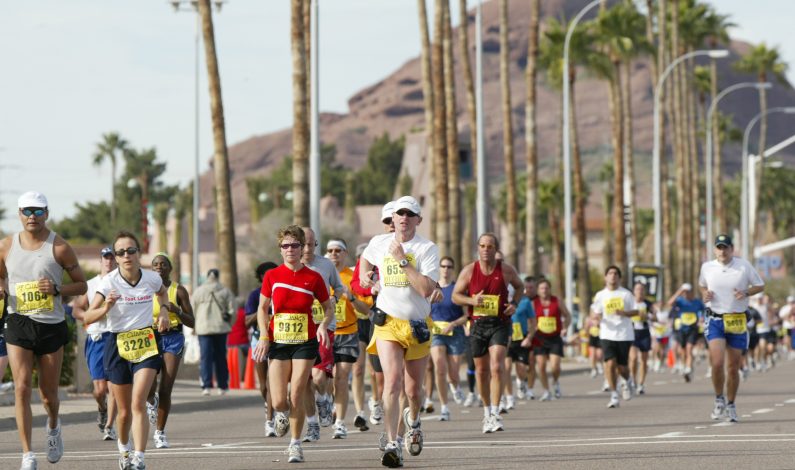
column 427, row 94
column 654, row 64
column 681, row 238
column 695, row 202
column 608, row 251
column 630, row 159
column 453, row 159
column 469, row 85
column 615, row 100
column 307, row 31
column 752, row 232
column 532, row 264
column 557, row 255
column 176, row 242
column 191, row 234
column 511, row 248
column 113, row 192
column 470, row 195
column 439, row 132
column 663, row 59
column 717, row 175
column 300, row 117
column 223, row 196
column 583, row 280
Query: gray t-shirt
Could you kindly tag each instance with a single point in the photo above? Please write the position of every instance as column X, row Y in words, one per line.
column 330, row 276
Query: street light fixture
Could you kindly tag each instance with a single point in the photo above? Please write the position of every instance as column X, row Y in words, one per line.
column 656, row 194
column 744, row 200
column 709, row 162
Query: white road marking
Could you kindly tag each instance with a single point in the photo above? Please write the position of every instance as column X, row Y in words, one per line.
column 672, row 434
column 779, row 405
column 790, row 401
column 722, row 424
column 700, row 427
column 762, row 411
column 660, row 382
column 594, row 392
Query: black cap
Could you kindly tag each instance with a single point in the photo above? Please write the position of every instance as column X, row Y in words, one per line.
column 723, row 239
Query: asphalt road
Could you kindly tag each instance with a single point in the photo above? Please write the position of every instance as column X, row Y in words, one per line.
column 669, row 427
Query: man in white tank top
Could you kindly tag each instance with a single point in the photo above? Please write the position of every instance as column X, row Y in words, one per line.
column 32, row 263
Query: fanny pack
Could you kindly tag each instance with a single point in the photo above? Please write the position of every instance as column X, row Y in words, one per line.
column 379, row 316
column 420, row 330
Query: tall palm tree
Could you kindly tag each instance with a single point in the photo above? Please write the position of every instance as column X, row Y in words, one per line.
column 532, row 262
column 160, row 214
column 763, row 61
column 183, row 202
column 227, row 252
column 550, row 199
column 663, row 58
column 300, row 115
column 427, row 85
column 469, row 86
column 451, row 127
column 112, row 144
column 511, row 250
column 439, row 133
column 606, row 175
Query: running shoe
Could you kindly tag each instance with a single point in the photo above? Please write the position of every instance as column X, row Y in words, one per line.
column 360, row 422
column 393, row 456
column 295, row 453
column 160, row 440
column 626, row 391
column 270, row 429
column 29, row 462
column 496, row 423
column 594, row 373
column 613, row 403
column 221, row 392
column 280, row 424
column 556, row 389
column 470, row 400
column 427, row 407
column 708, row 375
column 324, row 410
column 488, row 424
column 125, row 463
column 444, row 415
column 312, row 433
column 502, row 407
column 340, row 431
column 719, row 409
column 605, row 386
column 413, row 438
column 510, row 402
column 521, row 389
column 110, row 434
column 377, row 413
column 546, row 396
column 641, row 389
column 151, row 409
column 458, row 395
column 102, row 420
column 731, row 413
column 54, row 443
column 206, row 392
column 530, row 395
column 382, row 441
column 137, row 464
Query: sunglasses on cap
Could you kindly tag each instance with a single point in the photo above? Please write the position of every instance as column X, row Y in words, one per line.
column 130, row 251
column 405, row 212
column 287, row 246
column 37, row 211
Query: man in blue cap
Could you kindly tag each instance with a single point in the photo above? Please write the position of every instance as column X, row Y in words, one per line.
column 726, row 283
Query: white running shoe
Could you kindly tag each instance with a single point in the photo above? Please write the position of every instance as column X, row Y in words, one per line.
column 719, row 409
column 626, row 391
column 613, row 403
column 510, row 402
column 29, row 462
column 731, row 413
column 594, row 373
column 470, row 400
column 427, row 406
column 377, row 413
column 556, row 388
column 414, row 437
column 125, row 461
column 641, row 389
column 519, row 389
column 360, row 422
column 109, row 434
column 382, row 441
column 488, row 424
column 458, row 395
column 340, row 431
column 605, row 386
column 270, row 429
column 324, row 411
column 151, row 409
column 280, row 424
column 295, row 453
column 546, row 396
column 160, row 440
column 496, row 423
column 444, row 415
column 530, row 395
column 54, row 443
column 392, row 456
column 312, row 433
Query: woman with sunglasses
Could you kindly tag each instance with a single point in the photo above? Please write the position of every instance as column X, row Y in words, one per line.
column 32, row 264
column 171, row 344
column 132, row 357
column 289, row 337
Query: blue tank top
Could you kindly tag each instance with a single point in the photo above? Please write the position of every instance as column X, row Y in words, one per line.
column 446, row 310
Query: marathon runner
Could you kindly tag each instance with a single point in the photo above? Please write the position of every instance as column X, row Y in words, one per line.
column 639, row 352
column 290, row 338
column 754, row 318
column 594, row 346
column 172, row 346
column 132, row 358
column 525, row 384
column 766, row 330
column 688, row 315
column 726, row 283
column 409, row 268
column 32, row 263
column 97, row 335
column 660, row 333
column 616, row 306
column 553, row 319
column 483, row 287
column 260, row 367
column 523, row 327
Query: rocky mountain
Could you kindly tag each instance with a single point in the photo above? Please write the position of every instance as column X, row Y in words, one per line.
column 395, row 105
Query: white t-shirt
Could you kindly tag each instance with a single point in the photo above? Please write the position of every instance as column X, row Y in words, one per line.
column 397, row 297
column 615, row 327
column 133, row 309
column 724, row 279
column 100, row 326
column 783, row 314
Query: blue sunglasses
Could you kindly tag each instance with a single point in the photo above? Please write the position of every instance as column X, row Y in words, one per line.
column 37, row 211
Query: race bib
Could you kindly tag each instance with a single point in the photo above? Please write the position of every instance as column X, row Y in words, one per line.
column 137, row 345
column 636, row 319
column 318, row 314
column 393, row 274
column 593, row 331
column 689, row 318
column 490, row 306
column 517, row 334
column 340, row 310
column 677, row 324
column 290, row 328
column 439, row 326
column 30, row 300
column 614, row 305
column 734, row 323
column 659, row 330
column 547, row 325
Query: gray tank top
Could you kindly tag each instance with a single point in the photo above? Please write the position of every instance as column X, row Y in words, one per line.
column 25, row 268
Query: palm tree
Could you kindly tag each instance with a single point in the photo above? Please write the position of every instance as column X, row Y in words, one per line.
column 439, row 133
column 511, row 250
column 227, row 252
column 532, row 263
column 427, row 82
column 160, row 214
column 254, row 187
column 111, row 145
column 300, row 116
column 606, row 175
column 762, row 61
column 183, row 203
column 550, row 199
column 469, row 86
column 451, row 127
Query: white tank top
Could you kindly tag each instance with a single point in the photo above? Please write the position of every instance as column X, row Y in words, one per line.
column 25, row 268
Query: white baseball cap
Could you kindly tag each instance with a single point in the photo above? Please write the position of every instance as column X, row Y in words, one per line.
column 790, row 298
column 409, row 203
column 687, row 286
column 32, row 199
column 386, row 212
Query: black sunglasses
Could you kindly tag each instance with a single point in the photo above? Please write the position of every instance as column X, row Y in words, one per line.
column 287, row 246
column 387, row 221
column 37, row 211
column 130, row 251
column 448, row 266
column 405, row 212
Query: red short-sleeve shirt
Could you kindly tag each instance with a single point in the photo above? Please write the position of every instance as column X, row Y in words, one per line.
column 294, row 292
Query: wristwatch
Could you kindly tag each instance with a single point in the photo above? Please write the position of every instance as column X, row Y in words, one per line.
column 57, row 291
column 403, row 263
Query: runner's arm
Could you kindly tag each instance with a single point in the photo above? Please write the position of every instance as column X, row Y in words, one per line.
column 185, row 310
column 263, row 318
column 99, row 308
column 460, row 295
column 66, row 257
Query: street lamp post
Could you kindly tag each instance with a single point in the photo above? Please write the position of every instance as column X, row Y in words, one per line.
column 567, row 238
column 656, row 193
column 314, row 128
column 744, row 202
column 709, row 162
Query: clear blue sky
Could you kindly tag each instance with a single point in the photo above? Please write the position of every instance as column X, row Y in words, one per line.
column 73, row 70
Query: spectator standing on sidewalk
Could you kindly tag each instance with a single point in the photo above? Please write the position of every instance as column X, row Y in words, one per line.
column 214, row 307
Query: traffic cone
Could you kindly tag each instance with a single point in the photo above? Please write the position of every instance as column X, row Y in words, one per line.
column 249, row 382
column 671, row 359
column 234, row 368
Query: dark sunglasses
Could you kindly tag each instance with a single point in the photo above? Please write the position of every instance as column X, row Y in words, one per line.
column 294, row 246
column 334, row 250
column 37, row 211
column 130, row 251
column 406, row 212
column 448, row 266
column 387, row 221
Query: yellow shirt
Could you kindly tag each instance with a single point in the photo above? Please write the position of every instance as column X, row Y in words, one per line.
column 173, row 319
column 344, row 311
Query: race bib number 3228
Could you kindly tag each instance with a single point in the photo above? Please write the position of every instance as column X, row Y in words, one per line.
column 137, row 345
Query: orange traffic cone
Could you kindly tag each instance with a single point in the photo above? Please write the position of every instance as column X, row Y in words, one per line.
column 671, row 358
column 234, row 368
column 249, row 382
